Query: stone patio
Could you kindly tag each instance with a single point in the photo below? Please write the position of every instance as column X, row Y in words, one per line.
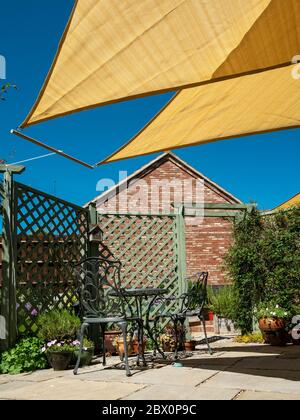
column 235, row 371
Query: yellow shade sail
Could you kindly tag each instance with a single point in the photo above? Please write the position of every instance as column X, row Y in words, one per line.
column 255, row 103
column 113, row 50
column 292, row 202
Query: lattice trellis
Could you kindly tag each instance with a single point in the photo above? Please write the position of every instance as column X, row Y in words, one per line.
column 147, row 247
column 51, row 234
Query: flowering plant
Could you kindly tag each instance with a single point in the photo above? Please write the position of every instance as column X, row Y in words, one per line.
column 86, row 343
column 62, row 346
column 270, row 310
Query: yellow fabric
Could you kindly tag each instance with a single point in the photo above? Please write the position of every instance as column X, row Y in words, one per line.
column 230, row 108
column 294, row 201
column 117, row 49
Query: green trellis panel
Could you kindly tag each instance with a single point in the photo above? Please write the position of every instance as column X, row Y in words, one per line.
column 150, row 248
column 51, row 234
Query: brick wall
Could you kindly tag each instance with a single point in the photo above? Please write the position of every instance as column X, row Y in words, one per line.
column 206, row 243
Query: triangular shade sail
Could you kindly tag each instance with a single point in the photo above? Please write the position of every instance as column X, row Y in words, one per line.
column 250, row 104
column 112, row 50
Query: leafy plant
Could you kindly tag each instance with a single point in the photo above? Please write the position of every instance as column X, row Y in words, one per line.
column 222, row 301
column 270, row 310
column 26, row 356
column 60, row 325
column 264, row 263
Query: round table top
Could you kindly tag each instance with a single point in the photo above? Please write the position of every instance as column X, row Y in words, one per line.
column 143, row 291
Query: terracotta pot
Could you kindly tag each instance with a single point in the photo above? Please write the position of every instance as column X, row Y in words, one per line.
column 110, row 337
column 271, row 324
column 135, row 346
column 273, row 331
column 120, row 347
column 190, row 345
column 59, row 360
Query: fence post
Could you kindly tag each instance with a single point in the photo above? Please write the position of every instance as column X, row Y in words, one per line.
column 8, row 295
column 180, row 226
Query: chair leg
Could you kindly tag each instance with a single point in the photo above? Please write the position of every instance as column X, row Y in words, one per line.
column 141, row 342
column 82, row 330
column 123, row 326
column 205, row 334
column 103, row 344
column 175, row 321
column 182, row 333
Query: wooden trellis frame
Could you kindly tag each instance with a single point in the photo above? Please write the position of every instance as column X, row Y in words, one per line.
column 42, row 236
column 151, row 248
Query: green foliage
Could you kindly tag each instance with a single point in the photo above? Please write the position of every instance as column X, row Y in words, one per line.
column 222, row 301
column 26, row 356
column 264, row 263
column 58, row 324
column 61, row 347
column 271, row 310
column 4, row 88
column 250, row 338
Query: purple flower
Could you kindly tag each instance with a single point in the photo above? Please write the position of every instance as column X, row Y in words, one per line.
column 28, row 306
column 34, row 312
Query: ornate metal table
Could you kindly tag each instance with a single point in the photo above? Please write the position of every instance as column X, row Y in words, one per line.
column 140, row 295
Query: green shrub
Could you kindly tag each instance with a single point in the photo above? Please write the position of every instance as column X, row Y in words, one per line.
column 264, row 263
column 58, row 324
column 222, row 301
column 26, row 356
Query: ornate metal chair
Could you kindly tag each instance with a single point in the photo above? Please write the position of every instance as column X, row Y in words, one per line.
column 97, row 278
column 189, row 304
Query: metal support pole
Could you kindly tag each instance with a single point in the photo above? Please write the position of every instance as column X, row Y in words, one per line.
column 8, row 318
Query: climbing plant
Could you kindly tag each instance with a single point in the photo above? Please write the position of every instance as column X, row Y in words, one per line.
column 264, row 262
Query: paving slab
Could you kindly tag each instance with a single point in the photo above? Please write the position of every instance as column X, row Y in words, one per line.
column 12, row 386
column 67, row 389
column 170, row 375
column 256, row 381
column 252, row 395
column 173, row 392
column 270, row 363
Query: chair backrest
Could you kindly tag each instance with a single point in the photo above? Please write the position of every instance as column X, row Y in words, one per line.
column 196, row 295
column 96, row 278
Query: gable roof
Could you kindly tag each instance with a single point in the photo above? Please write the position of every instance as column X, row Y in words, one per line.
column 151, row 166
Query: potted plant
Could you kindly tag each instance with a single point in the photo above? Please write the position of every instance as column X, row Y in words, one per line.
column 87, row 351
column 168, row 337
column 189, row 343
column 58, row 330
column 272, row 322
column 59, row 354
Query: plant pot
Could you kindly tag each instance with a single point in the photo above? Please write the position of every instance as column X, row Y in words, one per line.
column 210, row 315
column 273, row 331
column 190, row 345
column 121, row 349
column 271, row 324
column 110, row 338
column 85, row 357
column 135, row 346
column 59, row 360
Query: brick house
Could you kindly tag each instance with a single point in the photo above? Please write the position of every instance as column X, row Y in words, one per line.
column 206, row 242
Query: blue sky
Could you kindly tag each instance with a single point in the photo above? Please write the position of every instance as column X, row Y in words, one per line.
column 262, row 168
